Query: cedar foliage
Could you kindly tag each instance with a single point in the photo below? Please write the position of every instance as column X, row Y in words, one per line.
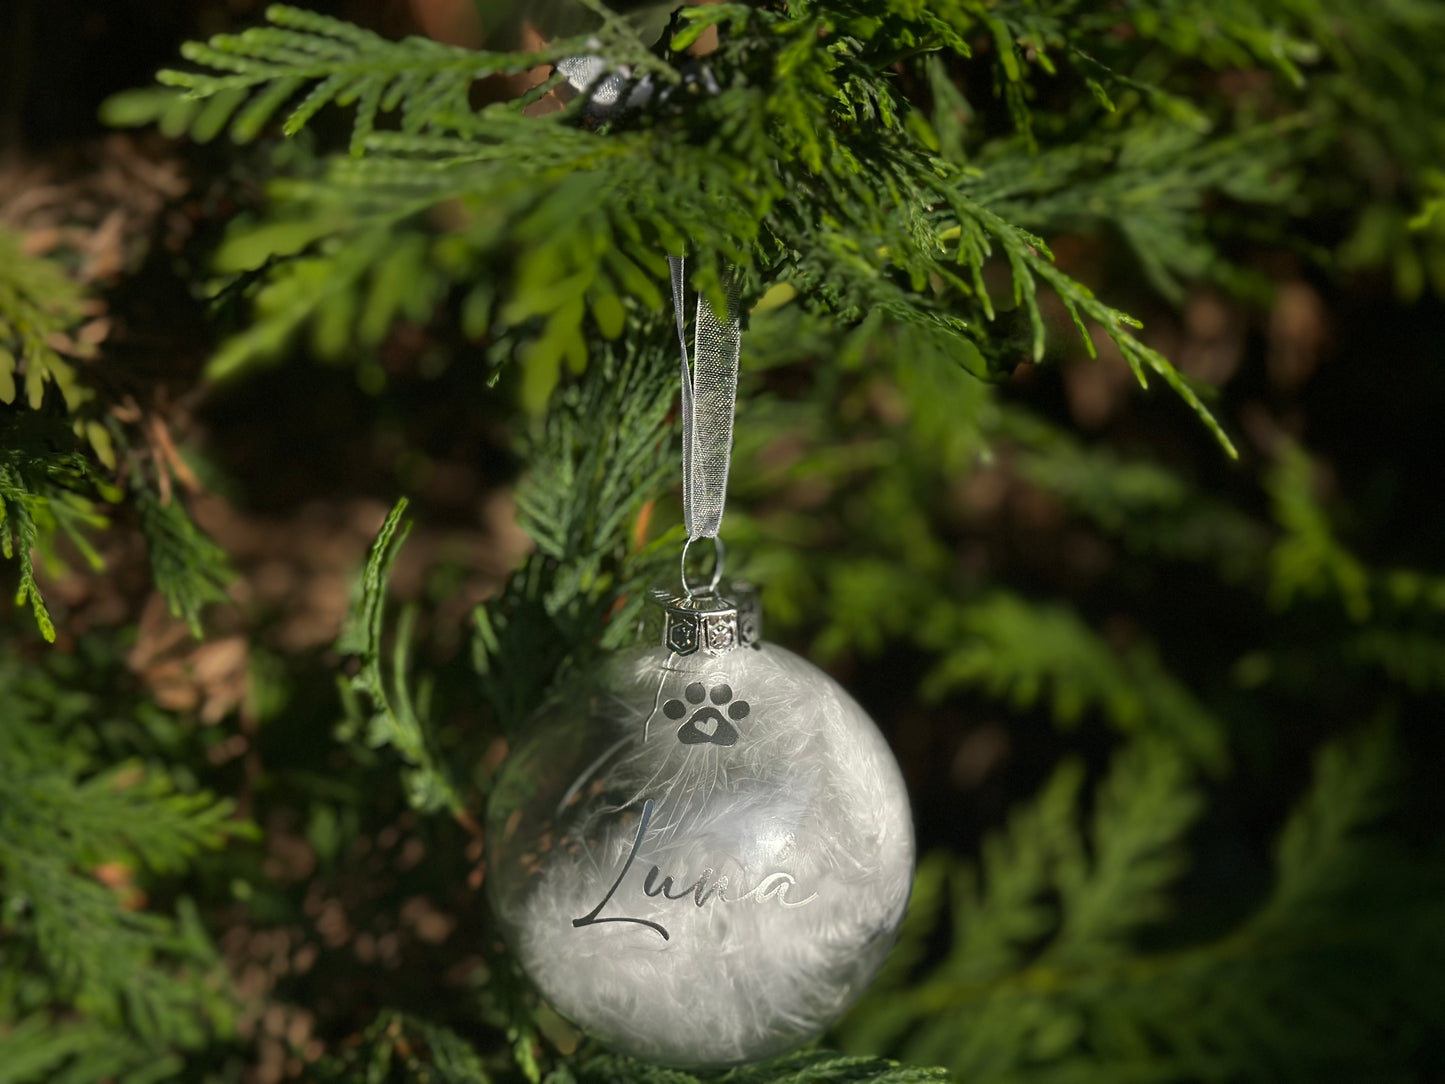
column 893, row 182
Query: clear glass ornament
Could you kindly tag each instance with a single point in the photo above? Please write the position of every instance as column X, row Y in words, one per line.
column 702, row 853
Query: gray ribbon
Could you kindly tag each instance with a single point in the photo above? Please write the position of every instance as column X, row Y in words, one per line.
column 709, row 392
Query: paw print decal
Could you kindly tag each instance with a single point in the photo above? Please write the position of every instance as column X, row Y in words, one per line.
column 707, row 723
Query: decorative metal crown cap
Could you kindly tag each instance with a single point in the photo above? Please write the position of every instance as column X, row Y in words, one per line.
column 714, row 622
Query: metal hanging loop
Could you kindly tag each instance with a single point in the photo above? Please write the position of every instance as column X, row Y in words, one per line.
column 719, row 554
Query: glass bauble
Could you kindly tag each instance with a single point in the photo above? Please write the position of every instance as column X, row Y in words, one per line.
column 701, row 859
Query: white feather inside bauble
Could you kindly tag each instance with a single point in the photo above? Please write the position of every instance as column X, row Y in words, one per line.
column 701, row 860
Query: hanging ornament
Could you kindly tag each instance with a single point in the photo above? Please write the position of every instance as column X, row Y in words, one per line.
column 701, row 851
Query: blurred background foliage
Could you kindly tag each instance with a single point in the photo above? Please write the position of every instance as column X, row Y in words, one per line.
column 1163, row 670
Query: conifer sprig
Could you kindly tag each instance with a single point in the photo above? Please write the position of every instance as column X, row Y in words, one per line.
column 334, row 62
column 187, row 567
column 45, row 492
column 146, row 983
column 385, row 713
column 606, row 447
column 55, row 466
column 772, row 176
column 414, row 1051
column 1238, row 1007
column 40, row 305
column 809, row 1067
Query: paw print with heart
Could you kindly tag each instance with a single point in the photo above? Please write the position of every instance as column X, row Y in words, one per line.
column 707, row 723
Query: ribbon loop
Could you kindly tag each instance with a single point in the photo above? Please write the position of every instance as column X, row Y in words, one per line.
column 709, row 393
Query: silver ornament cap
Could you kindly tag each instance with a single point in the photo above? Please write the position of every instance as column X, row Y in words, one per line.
column 721, row 620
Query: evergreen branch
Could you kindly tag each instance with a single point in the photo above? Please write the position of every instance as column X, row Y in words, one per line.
column 1000, row 913
column 607, row 431
column 572, row 202
column 402, row 1048
column 40, row 306
column 349, row 293
column 1307, row 559
column 1029, row 259
column 426, row 82
column 1151, row 182
column 1149, row 507
column 1241, row 34
column 189, row 569
column 1321, row 857
column 412, row 1051
column 604, row 451
column 1142, row 811
column 47, row 484
column 1025, row 652
column 129, row 811
column 43, row 1048
column 19, row 535
column 140, row 972
column 1238, row 1006
column 811, row 1067
column 1080, row 302
column 46, row 491
column 383, row 712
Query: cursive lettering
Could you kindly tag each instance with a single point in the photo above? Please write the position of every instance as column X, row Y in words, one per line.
column 590, row 918
column 776, row 885
column 773, row 886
